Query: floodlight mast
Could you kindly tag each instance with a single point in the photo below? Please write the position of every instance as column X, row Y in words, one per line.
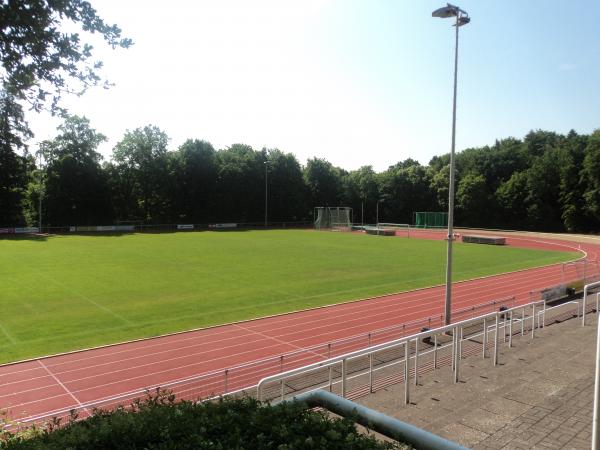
column 462, row 18
column 266, row 194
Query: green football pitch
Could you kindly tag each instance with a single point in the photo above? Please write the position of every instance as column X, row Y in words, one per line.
column 66, row 292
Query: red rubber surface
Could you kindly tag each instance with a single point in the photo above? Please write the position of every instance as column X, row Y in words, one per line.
column 54, row 383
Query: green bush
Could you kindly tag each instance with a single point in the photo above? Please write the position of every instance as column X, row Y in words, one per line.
column 161, row 423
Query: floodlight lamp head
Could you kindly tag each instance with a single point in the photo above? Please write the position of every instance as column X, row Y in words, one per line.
column 463, row 20
column 446, row 11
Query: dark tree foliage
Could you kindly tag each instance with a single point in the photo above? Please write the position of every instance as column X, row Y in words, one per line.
column 194, row 171
column 361, row 192
column 241, row 184
column 546, row 182
column 40, row 62
column 405, row 187
column 141, row 168
column 76, row 189
column 324, row 182
column 13, row 173
column 287, row 193
column 591, row 178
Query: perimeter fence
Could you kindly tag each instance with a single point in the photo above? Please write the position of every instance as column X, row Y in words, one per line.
column 241, row 378
column 392, row 355
column 404, row 360
column 138, row 227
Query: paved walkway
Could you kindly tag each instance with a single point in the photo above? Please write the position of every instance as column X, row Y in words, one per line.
column 540, row 396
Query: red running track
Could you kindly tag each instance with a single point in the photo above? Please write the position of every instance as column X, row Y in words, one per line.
column 52, row 384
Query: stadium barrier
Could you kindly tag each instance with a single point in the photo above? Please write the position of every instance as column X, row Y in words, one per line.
column 242, row 378
column 354, row 374
column 315, row 367
column 19, row 230
column 154, row 228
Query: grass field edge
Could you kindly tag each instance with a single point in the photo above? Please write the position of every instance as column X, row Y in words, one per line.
column 314, row 308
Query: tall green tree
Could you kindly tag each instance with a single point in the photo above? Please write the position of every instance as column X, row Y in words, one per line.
column 590, row 173
column 361, row 192
column 41, row 61
column 241, row 183
column 472, row 201
column 287, row 193
column 406, row 188
column 140, row 175
column 324, row 182
column 76, row 191
column 13, row 167
column 511, row 196
column 194, row 171
column 571, row 199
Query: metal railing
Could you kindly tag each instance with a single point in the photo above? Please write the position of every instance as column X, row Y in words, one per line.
column 354, row 373
column 382, row 359
column 240, row 378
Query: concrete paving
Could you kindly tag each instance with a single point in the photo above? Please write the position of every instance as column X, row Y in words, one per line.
column 539, row 397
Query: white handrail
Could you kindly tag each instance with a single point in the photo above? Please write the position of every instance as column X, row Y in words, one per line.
column 384, row 346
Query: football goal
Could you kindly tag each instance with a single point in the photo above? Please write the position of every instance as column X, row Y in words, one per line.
column 430, row 219
column 338, row 218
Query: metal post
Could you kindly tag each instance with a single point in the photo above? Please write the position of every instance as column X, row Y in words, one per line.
column 362, row 215
column 584, row 306
column 406, row 373
column 329, row 350
column 496, row 339
column 595, row 431
column 40, row 192
column 460, row 341
column 266, row 193
column 456, row 355
column 453, row 349
column 417, row 362
column 544, row 315
column 281, row 363
column 435, row 351
column 371, row 373
column 448, row 302
column 226, row 373
column 532, row 320
column 485, row 333
column 344, row 378
column 510, row 331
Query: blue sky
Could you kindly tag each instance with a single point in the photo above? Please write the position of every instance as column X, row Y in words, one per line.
column 356, row 82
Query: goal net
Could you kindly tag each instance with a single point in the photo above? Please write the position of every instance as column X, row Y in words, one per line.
column 333, row 218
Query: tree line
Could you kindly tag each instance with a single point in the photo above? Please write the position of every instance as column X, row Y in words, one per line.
column 546, row 181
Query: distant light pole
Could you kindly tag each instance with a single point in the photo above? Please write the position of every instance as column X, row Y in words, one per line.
column 462, row 18
column 381, row 200
column 41, row 192
column 362, row 215
column 266, row 193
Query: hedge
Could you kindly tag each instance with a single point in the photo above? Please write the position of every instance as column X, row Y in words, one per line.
column 159, row 422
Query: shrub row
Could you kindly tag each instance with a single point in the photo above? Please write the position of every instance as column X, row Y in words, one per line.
column 159, row 422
